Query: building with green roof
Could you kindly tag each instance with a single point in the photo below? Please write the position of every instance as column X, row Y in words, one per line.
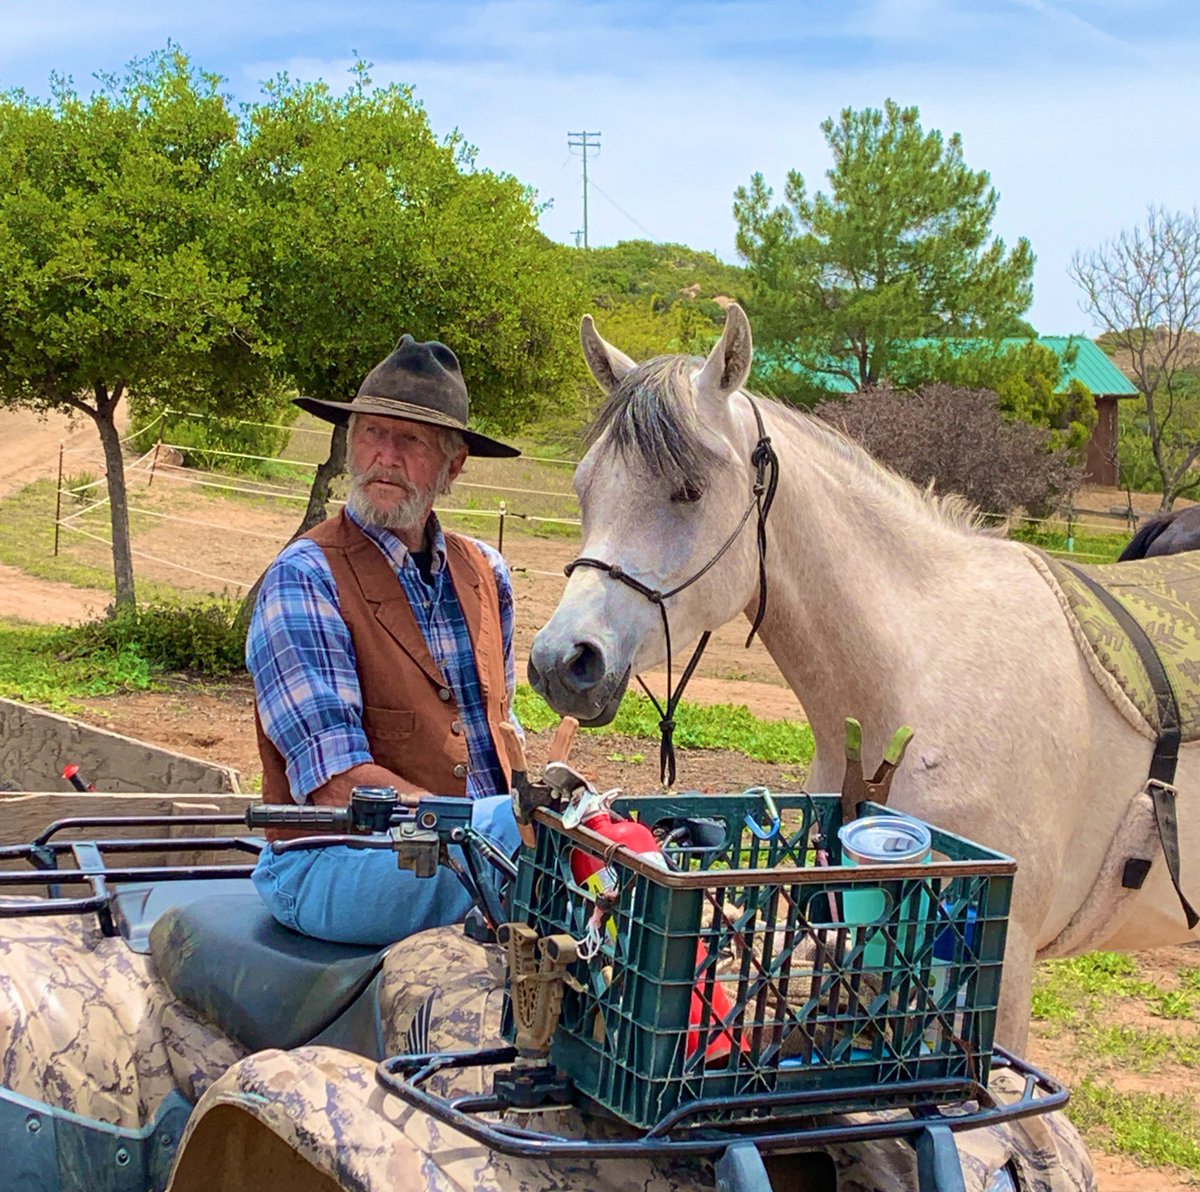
column 1107, row 383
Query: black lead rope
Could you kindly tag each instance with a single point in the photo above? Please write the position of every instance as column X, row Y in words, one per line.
column 766, row 481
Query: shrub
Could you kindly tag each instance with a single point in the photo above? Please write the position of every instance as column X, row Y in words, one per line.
column 83, row 488
column 959, row 441
column 201, row 638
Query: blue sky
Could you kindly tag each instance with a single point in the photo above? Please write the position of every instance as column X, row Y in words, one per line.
column 1083, row 111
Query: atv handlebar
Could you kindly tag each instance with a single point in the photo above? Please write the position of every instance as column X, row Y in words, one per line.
column 371, row 809
column 273, row 815
column 419, row 836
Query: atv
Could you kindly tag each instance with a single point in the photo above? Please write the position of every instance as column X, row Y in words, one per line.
column 161, row 1030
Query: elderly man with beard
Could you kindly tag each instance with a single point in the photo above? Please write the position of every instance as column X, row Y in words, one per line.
column 381, row 651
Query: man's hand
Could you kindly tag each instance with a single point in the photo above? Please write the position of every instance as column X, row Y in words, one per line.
column 336, row 792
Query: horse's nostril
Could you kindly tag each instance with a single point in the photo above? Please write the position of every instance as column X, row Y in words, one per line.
column 583, row 667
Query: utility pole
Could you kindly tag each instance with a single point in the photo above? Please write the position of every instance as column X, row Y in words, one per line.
column 583, row 141
column 578, row 234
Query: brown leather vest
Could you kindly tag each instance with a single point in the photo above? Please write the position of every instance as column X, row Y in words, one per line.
column 410, row 715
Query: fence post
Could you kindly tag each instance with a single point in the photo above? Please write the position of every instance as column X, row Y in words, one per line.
column 1071, row 527
column 58, row 499
column 162, row 430
column 500, row 542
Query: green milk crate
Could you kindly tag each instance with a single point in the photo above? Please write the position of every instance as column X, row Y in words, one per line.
column 742, row 971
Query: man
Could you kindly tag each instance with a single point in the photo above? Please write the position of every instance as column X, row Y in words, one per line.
column 381, row 651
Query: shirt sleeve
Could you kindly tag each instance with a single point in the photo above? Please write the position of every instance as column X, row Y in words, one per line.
column 507, row 619
column 301, row 656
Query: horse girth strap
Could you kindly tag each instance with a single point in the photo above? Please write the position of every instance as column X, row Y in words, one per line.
column 1160, row 784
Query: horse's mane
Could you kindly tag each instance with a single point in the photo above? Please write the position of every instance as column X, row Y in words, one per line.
column 651, row 415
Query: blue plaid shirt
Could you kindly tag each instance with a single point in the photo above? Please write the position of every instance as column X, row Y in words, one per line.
column 301, row 655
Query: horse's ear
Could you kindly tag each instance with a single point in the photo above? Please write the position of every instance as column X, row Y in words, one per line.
column 728, row 364
column 608, row 364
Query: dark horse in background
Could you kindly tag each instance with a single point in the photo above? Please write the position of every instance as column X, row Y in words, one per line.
column 1165, row 534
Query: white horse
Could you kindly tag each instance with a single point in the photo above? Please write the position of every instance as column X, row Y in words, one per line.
column 883, row 603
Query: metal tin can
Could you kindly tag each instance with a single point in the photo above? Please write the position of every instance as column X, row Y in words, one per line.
column 884, row 840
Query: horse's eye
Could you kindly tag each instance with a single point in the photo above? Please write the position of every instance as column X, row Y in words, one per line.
column 687, row 495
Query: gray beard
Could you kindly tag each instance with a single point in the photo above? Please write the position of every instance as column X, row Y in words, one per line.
column 409, row 516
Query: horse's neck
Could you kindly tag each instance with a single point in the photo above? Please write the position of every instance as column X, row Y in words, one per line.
column 863, row 576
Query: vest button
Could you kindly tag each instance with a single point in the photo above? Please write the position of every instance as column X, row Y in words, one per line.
column 460, row 771
column 456, row 727
column 443, row 694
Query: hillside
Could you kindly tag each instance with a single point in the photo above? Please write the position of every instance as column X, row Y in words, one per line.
column 637, row 270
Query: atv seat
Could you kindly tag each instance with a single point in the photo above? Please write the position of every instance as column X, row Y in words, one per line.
column 226, row 958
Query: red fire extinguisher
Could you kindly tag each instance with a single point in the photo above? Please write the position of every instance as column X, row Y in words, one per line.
column 589, row 871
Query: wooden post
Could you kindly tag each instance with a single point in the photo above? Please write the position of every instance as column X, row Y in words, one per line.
column 58, row 499
column 162, row 430
column 500, row 542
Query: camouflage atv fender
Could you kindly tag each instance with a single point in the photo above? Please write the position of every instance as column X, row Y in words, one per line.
column 317, row 1119
column 314, row 1120
column 80, row 1018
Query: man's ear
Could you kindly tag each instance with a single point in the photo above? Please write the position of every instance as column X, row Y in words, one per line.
column 456, row 466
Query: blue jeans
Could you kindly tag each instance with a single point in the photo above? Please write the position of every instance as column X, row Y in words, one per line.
column 361, row 896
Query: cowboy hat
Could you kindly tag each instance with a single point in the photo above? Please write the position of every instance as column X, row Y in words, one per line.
column 420, row 382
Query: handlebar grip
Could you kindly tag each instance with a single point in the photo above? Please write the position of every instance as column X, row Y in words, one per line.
column 271, row 815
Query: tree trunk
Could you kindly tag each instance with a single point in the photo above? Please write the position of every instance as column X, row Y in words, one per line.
column 316, row 512
column 114, row 462
column 318, row 495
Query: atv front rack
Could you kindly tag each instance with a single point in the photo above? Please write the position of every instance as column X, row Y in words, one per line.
column 763, row 1123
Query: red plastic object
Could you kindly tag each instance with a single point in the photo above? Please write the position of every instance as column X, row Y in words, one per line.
column 72, row 775
column 590, row 872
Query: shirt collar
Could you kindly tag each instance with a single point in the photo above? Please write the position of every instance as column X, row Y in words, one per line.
column 395, row 551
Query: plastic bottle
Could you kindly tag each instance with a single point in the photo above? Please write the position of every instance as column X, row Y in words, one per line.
column 590, row 872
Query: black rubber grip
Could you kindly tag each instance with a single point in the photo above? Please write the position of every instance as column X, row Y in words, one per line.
column 272, row 815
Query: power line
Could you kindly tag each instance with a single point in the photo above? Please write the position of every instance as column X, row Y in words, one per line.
column 625, row 213
column 583, row 141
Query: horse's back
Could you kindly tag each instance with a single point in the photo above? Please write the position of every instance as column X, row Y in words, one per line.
column 1164, row 534
column 1162, row 595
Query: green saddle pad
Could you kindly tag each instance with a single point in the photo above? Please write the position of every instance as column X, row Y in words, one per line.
column 1163, row 597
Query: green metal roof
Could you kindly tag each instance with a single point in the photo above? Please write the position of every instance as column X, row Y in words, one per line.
column 1091, row 365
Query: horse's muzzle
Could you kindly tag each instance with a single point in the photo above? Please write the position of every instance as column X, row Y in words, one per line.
column 575, row 681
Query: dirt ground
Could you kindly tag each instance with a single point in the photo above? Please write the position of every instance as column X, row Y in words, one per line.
column 216, row 723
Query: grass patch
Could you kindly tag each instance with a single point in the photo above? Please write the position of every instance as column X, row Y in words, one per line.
column 1095, row 548
column 1150, row 1127
column 36, row 668
column 1141, row 1050
column 719, row 726
column 27, row 543
column 54, row 666
column 1064, row 988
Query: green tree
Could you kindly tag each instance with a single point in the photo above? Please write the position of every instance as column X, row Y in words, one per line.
column 901, row 248
column 370, row 227
column 122, row 251
column 1143, row 287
